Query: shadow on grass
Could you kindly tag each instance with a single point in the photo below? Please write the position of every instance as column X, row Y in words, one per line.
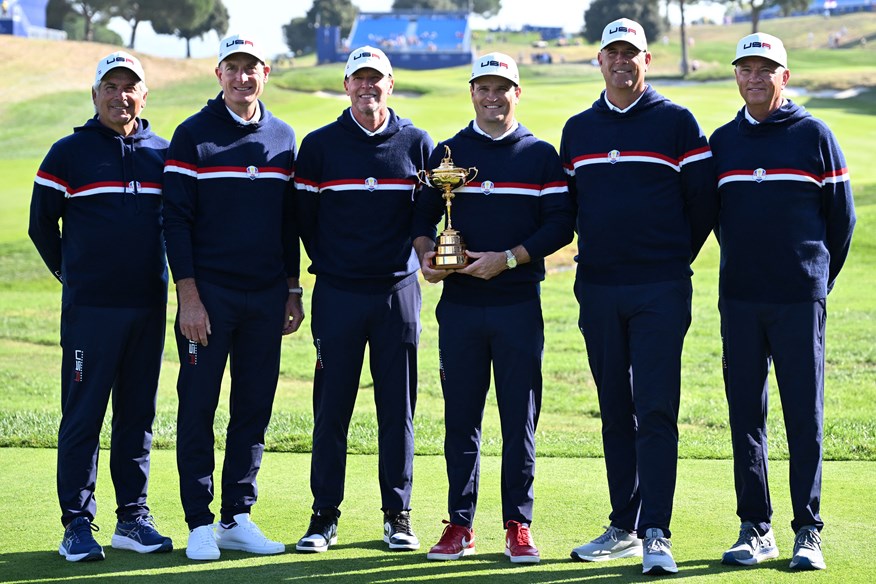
column 342, row 564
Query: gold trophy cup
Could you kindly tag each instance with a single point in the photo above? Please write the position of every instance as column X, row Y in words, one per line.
column 450, row 251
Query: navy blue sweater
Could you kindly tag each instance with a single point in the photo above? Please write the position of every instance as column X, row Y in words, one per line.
column 229, row 206
column 787, row 213
column 519, row 196
column 356, row 198
column 644, row 182
column 106, row 190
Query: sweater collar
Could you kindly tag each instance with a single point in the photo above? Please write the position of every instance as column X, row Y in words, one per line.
column 368, row 132
column 476, row 128
column 614, row 108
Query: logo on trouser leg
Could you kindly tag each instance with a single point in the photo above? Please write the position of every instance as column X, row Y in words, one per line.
column 79, row 365
column 441, row 366
column 319, row 364
column 193, row 353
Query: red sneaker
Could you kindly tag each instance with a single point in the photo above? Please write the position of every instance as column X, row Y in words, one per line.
column 456, row 541
column 519, row 545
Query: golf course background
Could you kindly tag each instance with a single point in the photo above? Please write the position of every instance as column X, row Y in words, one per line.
column 46, row 94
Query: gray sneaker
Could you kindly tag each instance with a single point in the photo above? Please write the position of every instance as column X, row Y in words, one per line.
column 751, row 547
column 613, row 544
column 656, row 557
column 807, row 550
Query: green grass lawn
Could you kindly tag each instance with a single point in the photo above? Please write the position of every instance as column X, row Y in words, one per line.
column 29, row 357
column 571, row 507
column 571, row 502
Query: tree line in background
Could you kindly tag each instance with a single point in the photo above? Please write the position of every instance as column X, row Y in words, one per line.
column 648, row 14
column 300, row 33
column 190, row 19
column 186, row 19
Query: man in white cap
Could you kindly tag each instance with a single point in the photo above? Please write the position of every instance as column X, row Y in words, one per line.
column 356, row 181
column 786, row 223
column 641, row 171
column 104, row 183
column 233, row 248
column 512, row 215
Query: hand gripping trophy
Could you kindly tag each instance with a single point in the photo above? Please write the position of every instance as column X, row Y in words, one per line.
column 450, row 251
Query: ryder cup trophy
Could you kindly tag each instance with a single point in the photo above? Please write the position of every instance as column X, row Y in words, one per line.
column 450, row 251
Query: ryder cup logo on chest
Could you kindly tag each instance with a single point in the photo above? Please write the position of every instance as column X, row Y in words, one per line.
column 252, row 172
column 487, row 187
column 759, row 174
column 371, row 184
column 614, row 156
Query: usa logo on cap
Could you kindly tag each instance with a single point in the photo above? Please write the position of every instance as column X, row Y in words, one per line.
column 371, row 57
column 495, row 64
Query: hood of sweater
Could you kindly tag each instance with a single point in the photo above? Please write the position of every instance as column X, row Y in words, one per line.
column 143, row 131
column 395, row 125
column 648, row 100
column 517, row 135
column 216, row 107
column 788, row 114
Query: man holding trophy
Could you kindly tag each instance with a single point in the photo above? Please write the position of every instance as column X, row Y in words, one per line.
column 355, row 180
column 511, row 208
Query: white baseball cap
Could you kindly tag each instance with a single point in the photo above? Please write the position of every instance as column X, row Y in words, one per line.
column 118, row 59
column 370, row 57
column 239, row 44
column 624, row 29
column 763, row 45
column 495, row 64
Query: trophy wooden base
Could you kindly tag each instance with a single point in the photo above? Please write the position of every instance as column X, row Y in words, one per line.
column 450, row 251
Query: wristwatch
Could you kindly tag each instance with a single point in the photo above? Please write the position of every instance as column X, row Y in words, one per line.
column 298, row 291
column 510, row 259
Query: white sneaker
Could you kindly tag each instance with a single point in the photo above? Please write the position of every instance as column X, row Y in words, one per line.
column 751, row 547
column 807, row 550
column 246, row 536
column 656, row 557
column 615, row 543
column 202, row 544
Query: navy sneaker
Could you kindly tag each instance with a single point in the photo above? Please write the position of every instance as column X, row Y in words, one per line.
column 322, row 532
column 78, row 544
column 140, row 536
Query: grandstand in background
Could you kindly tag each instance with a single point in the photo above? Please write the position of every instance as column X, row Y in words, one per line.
column 411, row 40
column 27, row 18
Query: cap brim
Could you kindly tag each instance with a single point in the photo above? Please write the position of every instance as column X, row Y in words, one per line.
column 737, row 59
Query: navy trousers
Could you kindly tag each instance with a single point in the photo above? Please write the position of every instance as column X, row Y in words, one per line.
column 247, row 327
column 634, row 337
column 343, row 322
column 471, row 339
column 107, row 351
column 792, row 336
